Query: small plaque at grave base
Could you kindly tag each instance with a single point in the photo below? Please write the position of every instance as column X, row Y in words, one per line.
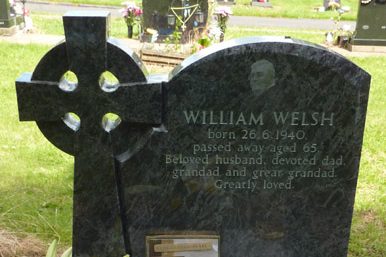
column 182, row 245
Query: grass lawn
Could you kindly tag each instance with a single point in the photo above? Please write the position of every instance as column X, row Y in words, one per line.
column 293, row 9
column 36, row 182
column 52, row 24
column 281, row 8
column 93, row 2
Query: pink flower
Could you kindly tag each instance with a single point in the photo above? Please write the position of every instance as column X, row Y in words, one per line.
column 138, row 12
column 223, row 11
column 131, row 9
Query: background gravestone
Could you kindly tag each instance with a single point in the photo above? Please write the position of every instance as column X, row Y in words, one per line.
column 155, row 14
column 7, row 23
column 326, row 3
column 261, row 3
column 251, row 148
column 371, row 24
column 225, row 2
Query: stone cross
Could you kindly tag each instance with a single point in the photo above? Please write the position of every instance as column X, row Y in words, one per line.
column 97, row 225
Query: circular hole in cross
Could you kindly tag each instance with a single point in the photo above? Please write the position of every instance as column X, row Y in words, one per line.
column 72, row 121
column 108, row 82
column 110, row 121
column 68, row 82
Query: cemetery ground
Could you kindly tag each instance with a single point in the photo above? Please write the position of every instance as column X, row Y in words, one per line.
column 36, row 178
column 281, row 8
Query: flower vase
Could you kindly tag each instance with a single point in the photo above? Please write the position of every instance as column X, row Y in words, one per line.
column 222, row 36
column 130, row 31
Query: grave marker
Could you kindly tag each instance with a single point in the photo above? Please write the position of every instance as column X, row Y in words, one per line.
column 226, row 2
column 163, row 16
column 250, row 148
column 7, row 23
column 370, row 33
column 261, row 3
column 97, row 225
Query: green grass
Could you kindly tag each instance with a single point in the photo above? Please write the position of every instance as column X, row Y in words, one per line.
column 315, row 36
column 293, row 9
column 52, row 24
column 36, row 178
column 369, row 226
column 92, row 2
column 281, row 8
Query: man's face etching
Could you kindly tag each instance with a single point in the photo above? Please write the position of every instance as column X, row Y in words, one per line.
column 262, row 76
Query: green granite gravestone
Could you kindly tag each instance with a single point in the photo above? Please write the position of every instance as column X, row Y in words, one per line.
column 97, row 227
column 249, row 148
column 371, row 24
column 159, row 14
column 7, row 23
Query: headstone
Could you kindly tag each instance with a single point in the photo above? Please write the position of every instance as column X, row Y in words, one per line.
column 371, row 23
column 7, row 23
column 327, row 3
column 97, row 227
column 250, row 148
column 226, row 2
column 156, row 14
column 261, row 3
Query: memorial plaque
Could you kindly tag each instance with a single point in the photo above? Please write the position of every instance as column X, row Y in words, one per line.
column 255, row 141
column 188, row 245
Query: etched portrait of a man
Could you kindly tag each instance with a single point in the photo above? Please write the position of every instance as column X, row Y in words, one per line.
column 261, row 76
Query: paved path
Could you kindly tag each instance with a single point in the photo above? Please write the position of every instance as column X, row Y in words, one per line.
column 233, row 21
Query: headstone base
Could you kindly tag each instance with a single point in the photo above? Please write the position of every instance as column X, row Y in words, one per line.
column 261, row 4
column 368, row 42
column 7, row 23
column 8, row 31
column 367, row 48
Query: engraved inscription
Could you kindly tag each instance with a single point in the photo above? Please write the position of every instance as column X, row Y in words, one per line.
column 254, row 151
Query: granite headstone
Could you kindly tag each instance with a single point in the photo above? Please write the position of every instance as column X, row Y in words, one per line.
column 157, row 13
column 371, row 23
column 328, row 3
column 261, row 3
column 7, row 23
column 247, row 149
column 226, row 2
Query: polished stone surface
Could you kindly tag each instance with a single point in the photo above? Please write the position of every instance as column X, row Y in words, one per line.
column 98, row 228
column 155, row 14
column 269, row 208
column 256, row 141
column 371, row 24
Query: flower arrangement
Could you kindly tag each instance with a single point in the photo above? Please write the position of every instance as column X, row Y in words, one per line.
column 222, row 13
column 131, row 13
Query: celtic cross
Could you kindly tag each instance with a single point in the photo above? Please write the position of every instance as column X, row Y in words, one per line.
column 98, row 229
